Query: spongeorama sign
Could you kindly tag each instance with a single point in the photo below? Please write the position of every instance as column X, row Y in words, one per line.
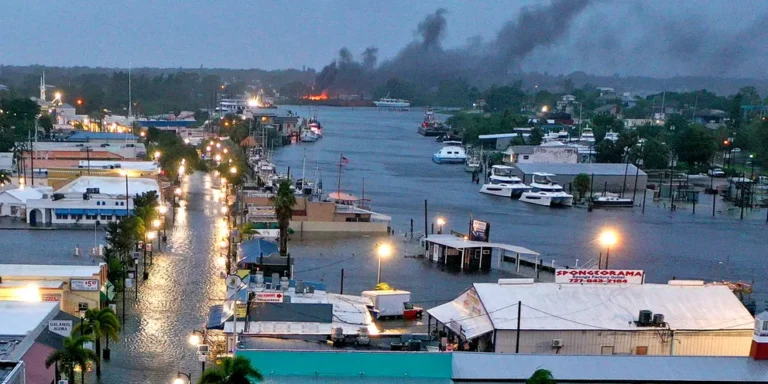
column 599, row 276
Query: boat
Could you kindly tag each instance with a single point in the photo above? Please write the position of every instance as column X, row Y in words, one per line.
column 451, row 152
column 431, row 126
column 612, row 136
column 308, row 136
column 611, row 200
column 504, row 183
column 545, row 192
column 587, row 136
column 387, row 102
column 473, row 164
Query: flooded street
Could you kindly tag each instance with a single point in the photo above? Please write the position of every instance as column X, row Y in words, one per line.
column 384, row 149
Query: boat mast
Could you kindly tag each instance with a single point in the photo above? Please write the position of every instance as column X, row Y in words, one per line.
column 303, row 166
column 338, row 186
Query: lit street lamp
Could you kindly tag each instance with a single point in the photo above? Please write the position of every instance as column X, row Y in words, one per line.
column 196, row 338
column 180, row 378
column 384, row 250
column 157, row 155
column 607, row 239
column 440, row 223
column 233, row 170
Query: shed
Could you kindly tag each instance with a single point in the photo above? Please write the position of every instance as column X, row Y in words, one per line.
column 466, row 255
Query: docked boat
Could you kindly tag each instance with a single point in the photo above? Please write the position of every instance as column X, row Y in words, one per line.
column 612, row 200
column 587, row 136
column 473, row 164
column 431, row 126
column 504, row 183
column 612, row 136
column 451, row 152
column 545, row 192
column 387, row 102
column 307, row 136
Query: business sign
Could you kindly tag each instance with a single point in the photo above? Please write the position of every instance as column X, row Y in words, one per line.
column 268, row 297
column 479, row 230
column 84, row 285
column 60, row 327
column 240, row 310
column 51, row 296
column 599, row 276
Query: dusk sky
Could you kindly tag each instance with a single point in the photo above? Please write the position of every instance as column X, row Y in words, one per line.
column 704, row 37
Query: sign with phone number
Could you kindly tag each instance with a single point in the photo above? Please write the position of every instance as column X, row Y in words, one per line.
column 599, row 276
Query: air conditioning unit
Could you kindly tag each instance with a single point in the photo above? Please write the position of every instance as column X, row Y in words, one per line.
column 557, row 343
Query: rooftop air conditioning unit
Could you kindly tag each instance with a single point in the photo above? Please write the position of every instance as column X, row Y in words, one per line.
column 557, row 343
column 645, row 318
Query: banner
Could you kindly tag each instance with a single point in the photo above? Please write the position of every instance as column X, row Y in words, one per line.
column 84, row 285
column 599, row 276
column 479, row 230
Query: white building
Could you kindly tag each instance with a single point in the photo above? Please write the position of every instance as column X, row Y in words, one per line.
column 111, row 185
column 541, row 154
column 13, row 202
column 600, row 319
column 78, row 209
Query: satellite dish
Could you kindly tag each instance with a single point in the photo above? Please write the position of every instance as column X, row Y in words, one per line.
column 233, row 281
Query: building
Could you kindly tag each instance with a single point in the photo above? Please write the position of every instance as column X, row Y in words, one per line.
column 611, row 177
column 102, row 138
column 711, row 118
column 609, row 109
column 74, row 287
column 287, row 125
column 634, row 123
column 503, row 140
column 461, row 254
column 13, row 202
column 517, row 154
column 584, row 318
column 50, row 339
column 12, row 372
column 78, row 209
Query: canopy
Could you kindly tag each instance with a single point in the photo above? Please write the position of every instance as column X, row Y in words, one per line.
column 251, row 250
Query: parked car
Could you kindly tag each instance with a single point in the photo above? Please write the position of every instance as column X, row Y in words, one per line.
column 716, row 172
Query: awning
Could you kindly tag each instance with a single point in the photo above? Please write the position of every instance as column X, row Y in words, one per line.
column 121, row 212
column 251, row 251
column 216, row 317
column 107, row 212
column 107, row 291
column 76, row 211
column 59, row 211
column 91, row 211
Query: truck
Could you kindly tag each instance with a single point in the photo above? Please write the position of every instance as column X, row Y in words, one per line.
column 392, row 303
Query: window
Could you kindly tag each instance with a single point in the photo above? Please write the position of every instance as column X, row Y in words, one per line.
column 641, row 351
column 62, row 217
column 82, row 306
column 116, row 203
column 77, row 217
column 606, row 350
column 14, row 210
column 765, row 325
column 525, row 157
column 106, row 217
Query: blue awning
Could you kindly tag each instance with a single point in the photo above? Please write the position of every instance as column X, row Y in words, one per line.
column 60, row 211
column 216, row 317
column 250, row 251
column 121, row 212
column 108, row 212
column 76, row 211
column 91, row 211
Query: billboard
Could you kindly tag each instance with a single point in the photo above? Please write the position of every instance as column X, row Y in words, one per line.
column 84, row 285
column 479, row 230
column 599, row 276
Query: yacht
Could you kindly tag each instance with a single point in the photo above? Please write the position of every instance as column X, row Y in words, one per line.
column 504, row 183
column 612, row 136
column 545, row 192
column 451, row 152
column 587, row 136
column 473, row 164
column 387, row 102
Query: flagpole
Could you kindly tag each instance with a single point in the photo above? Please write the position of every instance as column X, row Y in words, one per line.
column 338, row 187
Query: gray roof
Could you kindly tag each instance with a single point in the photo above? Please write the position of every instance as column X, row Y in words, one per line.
column 570, row 169
column 54, row 340
column 523, row 149
column 613, row 369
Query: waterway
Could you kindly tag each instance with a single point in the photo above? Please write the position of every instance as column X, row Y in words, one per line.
column 384, row 149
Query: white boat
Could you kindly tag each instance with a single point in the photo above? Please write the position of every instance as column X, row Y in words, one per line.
column 612, row 136
column 504, row 183
column 388, row 102
column 587, row 136
column 308, row 136
column 473, row 164
column 545, row 192
column 607, row 199
column 451, row 152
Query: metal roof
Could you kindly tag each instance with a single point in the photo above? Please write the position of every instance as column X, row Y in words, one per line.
column 460, row 243
column 598, row 169
column 613, row 369
column 37, row 270
column 84, row 135
column 111, row 185
column 18, row 318
column 551, row 306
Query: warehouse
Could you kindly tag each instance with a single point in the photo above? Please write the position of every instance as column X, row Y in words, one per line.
column 587, row 318
column 606, row 176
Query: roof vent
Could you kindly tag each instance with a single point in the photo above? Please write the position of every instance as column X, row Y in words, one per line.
column 645, row 318
column 686, row 283
column 525, row 281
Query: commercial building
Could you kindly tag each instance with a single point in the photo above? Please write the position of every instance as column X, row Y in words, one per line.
column 586, row 318
column 75, row 209
column 13, row 202
column 98, row 138
column 611, row 177
column 12, row 372
column 73, row 287
column 522, row 154
column 465, row 255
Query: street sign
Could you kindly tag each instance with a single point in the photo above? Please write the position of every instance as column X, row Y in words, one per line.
column 60, row 327
column 268, row 297
column 201, row 358
column 84, row 285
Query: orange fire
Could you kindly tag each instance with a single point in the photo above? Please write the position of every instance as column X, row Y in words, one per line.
column 322, row 96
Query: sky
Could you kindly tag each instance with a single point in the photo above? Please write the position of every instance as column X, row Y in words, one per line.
column 626, row 37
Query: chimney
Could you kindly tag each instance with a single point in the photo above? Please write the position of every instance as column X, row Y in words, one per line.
column 759, row 350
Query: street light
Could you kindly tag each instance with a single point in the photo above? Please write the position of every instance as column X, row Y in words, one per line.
column 226, row 150
column 163, row 209
column 180, row 380
column 233, row 170
column 607, row 239
column 224, row 210
column 383, row 250
column 440, row 223
column 218, row 157
column 177, row 191
column 157, row 155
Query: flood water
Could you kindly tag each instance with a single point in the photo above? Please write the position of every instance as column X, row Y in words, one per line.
column 384, row 149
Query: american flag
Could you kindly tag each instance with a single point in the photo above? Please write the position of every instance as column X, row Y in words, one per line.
column 344, row 160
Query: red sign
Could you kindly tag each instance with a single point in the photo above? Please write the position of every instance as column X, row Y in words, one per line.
column 268, row 297
column 599, row 276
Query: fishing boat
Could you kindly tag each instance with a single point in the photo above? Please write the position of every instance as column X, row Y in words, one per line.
column 545, row 192
column 452, row 152
column 473, row 164
column 504, row 183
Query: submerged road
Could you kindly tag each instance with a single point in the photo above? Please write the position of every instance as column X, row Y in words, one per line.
column 182, row 284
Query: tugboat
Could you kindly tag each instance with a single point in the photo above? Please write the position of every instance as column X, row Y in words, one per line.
column 431, row 126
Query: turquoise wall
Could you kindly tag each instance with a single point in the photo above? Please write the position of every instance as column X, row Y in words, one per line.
column 350, row 363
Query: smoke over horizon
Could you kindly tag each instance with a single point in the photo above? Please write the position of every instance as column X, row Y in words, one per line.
column 563, row 37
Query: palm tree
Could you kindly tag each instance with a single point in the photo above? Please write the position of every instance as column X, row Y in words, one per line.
column 284, row 201
column 541, row 376
column 72, row 355
column 99, row 323
column 5, row 178
column 232, row 370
